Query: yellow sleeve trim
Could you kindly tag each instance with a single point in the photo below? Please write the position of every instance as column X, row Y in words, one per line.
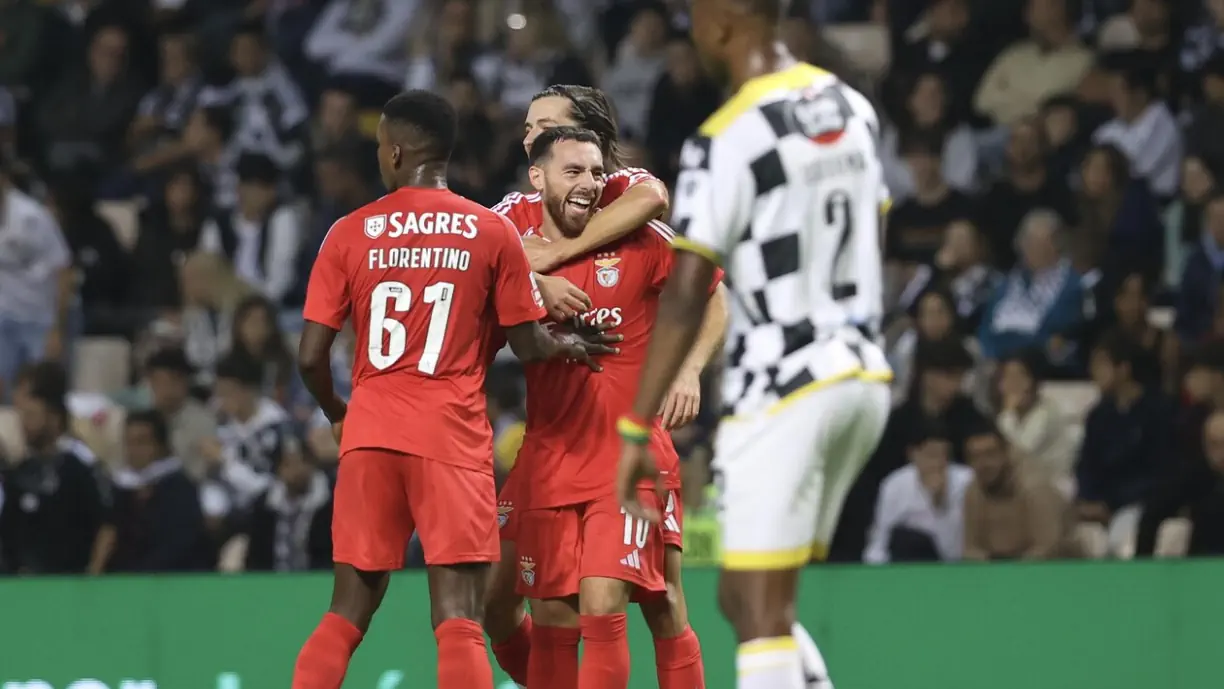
column 686, row 244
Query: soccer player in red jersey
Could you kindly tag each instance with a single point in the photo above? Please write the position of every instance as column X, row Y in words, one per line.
column 631, row 198
column 426, row 276
column 581, row 560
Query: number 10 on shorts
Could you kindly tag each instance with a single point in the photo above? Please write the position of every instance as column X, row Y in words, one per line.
column 636, row 530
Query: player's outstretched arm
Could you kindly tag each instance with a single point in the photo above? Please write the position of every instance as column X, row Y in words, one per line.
column 533, row 342
column 314, row 363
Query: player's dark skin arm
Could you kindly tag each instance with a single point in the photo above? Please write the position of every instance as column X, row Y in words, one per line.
column 682, row 308
column 314, row 363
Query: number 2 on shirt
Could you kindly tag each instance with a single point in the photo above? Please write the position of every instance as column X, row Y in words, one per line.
column 396, row 297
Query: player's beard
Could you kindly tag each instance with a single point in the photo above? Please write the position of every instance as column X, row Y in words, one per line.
column 567, row 211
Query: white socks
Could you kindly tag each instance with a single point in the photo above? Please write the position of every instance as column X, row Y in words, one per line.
column 770, row 664
column 814, row 669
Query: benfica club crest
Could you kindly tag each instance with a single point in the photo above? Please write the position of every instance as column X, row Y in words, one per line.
column 504, row 509
column 606, row 272
column 527, row 565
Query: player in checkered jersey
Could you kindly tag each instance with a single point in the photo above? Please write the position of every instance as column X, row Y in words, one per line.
column 783, row 188
column 632, row 198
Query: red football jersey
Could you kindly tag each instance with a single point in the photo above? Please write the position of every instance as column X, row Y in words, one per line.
column 427, row 277
column 571, row 446
column 527, row 213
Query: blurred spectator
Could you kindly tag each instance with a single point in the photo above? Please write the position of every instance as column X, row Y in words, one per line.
column 683, row 99
column 208, row 134
column 1051, row 61
column 158, row 522
column 937, row 399
column 1204, row 40
column 1040, row 437
column 35, row 282
column 211, row 293
column 102, row 266
column 1130, row 315
column 1040, row 305
column 942, row 43
column 1026, row 186
column 1204, row 133
column 934, row 321
column 1066, row 137
column 85, row 116
column 927, row 110
column 257, row 336
column 260, row 237
column 916, row 225
column 1127, row 438
column 289, row 528
column 960, row 267
column 191, row 425
column 472, row 164
column 363, row 38
column 169, row 230
column 1198, row 295
column 444, row 50
column 1184, row 218
column 250, row 441
column 535, row 57
column 1120, row 228
column 640, row 60
column 1207, row 511
column 163, row 113
column 1011, row 515
column 1142, row 127
column 269, row 114
column 26, row 29
column 919, row 514
column 56, row 517
column 341, row 189
column 1147, row 28
column 337, row 126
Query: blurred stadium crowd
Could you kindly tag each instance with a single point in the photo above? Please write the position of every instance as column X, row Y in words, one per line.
column 168, row 169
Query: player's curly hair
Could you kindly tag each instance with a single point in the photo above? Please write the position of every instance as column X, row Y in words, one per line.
column 592, row 110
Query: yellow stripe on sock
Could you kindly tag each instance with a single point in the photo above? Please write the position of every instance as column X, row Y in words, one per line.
column 771, row 645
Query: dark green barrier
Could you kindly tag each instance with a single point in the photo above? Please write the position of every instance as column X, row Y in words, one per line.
column 1060, row 626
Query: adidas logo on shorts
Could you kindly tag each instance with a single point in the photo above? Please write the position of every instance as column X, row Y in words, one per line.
column 527, row 567
column 632, row 560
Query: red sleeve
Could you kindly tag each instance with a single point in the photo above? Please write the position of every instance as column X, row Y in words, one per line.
column 660, row 236
column 516, row 298
column 511, row 207
column 620, row 181
column 327, row 294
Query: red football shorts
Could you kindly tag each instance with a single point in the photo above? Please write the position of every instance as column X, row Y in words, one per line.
column 507, row 501
column 558, row 547
column 673, row 521
column 382, row 496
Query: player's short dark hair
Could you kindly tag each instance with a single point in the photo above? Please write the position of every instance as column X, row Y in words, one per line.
column 47, row 382
column 928, row 430
column 156, row 423
column 257, row 168
column 543, row 145
column 220, row 119
column 241, row 369
column 171, row 360
column 431, row 118
column 592, row 110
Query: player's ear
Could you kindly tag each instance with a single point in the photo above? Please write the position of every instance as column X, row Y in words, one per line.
column 536, row 174
column 397, row 156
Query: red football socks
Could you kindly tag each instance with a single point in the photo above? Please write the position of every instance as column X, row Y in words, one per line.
column 678, row 661
column 462, row 660
column 554, row 658
column 605, row 652
column 325, row 656
column 513, row 652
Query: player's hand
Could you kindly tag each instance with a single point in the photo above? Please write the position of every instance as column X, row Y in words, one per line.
column 544, row 255
column 596, row 334
column 637, row 465
column 337, row 431
column 573, row 346
column 562, row 299
column 683, row 401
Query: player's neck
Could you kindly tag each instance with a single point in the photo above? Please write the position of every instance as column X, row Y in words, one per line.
column 428, row 176
column 549, row 228
column 759, row 55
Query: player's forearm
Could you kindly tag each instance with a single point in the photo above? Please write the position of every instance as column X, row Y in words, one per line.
column 318, row 381
column 640, row 204
column 681, row 310
column 531, row 342
column 710, row 336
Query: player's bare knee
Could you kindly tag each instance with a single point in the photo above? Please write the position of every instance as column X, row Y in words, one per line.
column 664, row 614
column 555, row 612
column 356, row 594
column 458, row 592
column 754, row 605
column 603, row 596
column 502, row 616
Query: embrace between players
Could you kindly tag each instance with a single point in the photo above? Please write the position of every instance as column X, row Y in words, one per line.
column 436, row 284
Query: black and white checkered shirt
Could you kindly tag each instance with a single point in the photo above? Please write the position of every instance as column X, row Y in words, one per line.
column 783, row 187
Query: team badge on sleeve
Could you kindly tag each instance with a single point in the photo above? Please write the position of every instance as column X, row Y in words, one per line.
column 375, row 225
column 527, row 565
column 504, row 508
column 606, row 273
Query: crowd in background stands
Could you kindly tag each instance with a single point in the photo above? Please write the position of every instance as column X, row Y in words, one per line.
column 1053, row 257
